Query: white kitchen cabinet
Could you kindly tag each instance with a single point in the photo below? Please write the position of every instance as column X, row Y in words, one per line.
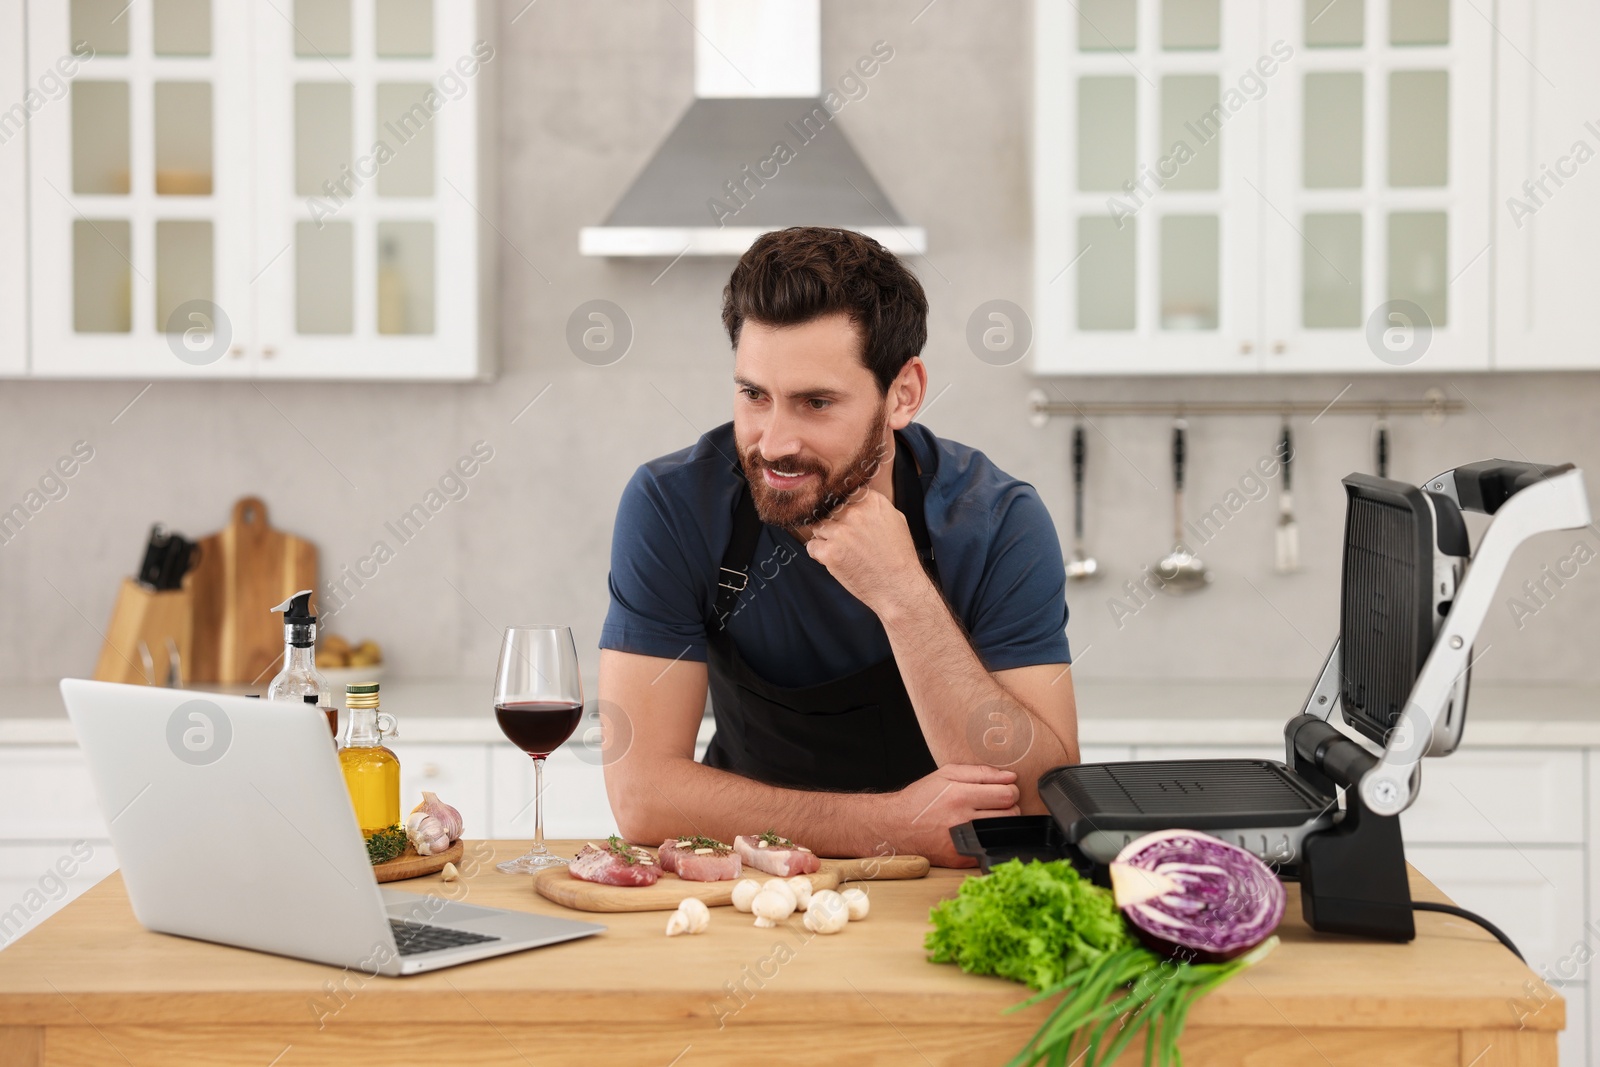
column 14, row 186
column 261, row 190
column 459, row 774
column 1241, row 186
column 1535, row 893
column 1379, row 194
column 1499, row 796
column 1547, row 214
column 575, row 803
column 1146, row 225
column 50, row 786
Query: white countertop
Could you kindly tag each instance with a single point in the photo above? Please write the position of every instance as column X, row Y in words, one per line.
column 454, row 710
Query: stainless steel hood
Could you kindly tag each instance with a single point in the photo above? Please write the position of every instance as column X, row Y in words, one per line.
column 756, row 151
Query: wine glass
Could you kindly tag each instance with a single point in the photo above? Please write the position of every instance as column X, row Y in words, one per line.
column 538, row 700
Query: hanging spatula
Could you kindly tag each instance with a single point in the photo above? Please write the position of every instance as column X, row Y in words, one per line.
column 1288, row 557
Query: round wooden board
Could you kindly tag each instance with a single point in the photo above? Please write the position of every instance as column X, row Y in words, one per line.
column 410, row 865
column 557, row 884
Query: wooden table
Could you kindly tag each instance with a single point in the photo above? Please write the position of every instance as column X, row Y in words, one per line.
column 90, row 986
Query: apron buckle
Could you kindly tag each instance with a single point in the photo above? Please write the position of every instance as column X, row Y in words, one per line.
column 743, row 578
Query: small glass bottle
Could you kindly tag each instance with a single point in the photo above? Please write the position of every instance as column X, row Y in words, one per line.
column 371, row 771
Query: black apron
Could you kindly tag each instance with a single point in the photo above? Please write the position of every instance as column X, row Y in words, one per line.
column 854, row 734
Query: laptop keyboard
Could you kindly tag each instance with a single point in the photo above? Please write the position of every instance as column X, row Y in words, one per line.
column 414, row 938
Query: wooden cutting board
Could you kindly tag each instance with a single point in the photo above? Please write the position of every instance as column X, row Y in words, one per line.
column 410, row 865
column 244, row 570
column 557, row 884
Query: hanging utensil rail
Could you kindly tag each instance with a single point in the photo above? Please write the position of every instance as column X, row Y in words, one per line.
column 1434, row 405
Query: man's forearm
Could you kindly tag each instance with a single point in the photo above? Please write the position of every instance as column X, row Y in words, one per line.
column 687, row 797
column 966, row 716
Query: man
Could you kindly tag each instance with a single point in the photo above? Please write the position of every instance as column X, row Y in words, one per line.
column 879, row 614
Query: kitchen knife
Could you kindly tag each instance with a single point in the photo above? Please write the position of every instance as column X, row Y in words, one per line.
column 1288, row 554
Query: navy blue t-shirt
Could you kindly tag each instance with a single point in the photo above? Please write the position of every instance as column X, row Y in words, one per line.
column 994, row 545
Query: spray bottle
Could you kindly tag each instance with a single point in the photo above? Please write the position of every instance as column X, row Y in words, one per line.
column 299, row 680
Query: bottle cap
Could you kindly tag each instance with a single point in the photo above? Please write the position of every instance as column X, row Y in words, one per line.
column 361, row 695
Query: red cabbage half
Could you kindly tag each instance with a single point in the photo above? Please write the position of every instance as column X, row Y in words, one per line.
column 1195, row 897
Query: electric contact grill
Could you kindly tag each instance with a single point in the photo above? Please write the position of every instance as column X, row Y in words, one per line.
column 1412, row 599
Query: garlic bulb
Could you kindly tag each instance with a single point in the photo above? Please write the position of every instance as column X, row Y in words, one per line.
column 857, row 902
column 744, row 891
column 448, row 817
column 427, row 834
column 801, row 887
column 828, row 913
column 772, row 906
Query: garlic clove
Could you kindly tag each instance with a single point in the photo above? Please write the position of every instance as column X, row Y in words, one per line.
column 449, row 874
column 696, row 916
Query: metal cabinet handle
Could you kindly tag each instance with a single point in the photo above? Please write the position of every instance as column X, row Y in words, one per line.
column 1279, row 348
column 1246, row 347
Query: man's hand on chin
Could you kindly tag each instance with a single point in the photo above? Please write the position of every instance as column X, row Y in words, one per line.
column 866, row 545
column 918, row 818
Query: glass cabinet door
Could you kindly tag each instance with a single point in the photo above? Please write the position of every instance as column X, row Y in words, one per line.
column 367, row 216
column 1146, row 170
column 140, row 189
column 13, row 195
column 1375, row 245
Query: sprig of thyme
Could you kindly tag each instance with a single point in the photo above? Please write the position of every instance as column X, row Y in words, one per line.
column 622, row 850
column 772, row 839
column 384, row 845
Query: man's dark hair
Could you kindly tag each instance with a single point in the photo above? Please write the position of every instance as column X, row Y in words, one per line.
column 792, row 276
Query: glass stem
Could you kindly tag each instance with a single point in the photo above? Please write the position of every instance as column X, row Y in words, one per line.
column 538, row 806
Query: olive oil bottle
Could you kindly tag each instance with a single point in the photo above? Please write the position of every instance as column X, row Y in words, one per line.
column 371, row 771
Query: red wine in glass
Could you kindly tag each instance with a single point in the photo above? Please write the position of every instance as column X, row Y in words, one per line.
column 538, row 700
column 538, row 727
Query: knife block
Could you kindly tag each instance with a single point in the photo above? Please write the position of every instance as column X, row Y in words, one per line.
column 136, row 642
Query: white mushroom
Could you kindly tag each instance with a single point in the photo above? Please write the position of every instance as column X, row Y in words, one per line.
column 692, row 917
column 800, row 885
column 744, row 891
column 780, row 885
column 772, row 906
column 828, row 913
column 857, row 903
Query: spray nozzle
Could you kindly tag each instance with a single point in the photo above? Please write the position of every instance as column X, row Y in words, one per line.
column 297, row 608
column 300, row 626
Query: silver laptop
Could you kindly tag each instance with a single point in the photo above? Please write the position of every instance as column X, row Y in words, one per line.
column 231, row 823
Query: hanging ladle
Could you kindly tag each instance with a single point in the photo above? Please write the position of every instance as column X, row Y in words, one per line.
column 1081, row 567
column 1180, row 571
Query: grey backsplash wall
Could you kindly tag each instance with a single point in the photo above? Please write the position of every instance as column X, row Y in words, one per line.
column 587, row 91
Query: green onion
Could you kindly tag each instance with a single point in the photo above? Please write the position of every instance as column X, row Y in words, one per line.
column 1047, row 926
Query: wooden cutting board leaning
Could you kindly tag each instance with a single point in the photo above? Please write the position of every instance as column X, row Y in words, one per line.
column 244, row 570
column 557, row 884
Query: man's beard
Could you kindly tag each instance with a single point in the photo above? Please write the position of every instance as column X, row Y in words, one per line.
column 813, row 502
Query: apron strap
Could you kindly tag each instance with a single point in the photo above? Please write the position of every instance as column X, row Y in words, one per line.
column 734, row 574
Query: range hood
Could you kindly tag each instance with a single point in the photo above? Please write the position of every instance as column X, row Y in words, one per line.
column 756, row 151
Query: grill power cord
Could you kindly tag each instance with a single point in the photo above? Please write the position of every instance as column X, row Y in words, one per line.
column 1463, row 913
